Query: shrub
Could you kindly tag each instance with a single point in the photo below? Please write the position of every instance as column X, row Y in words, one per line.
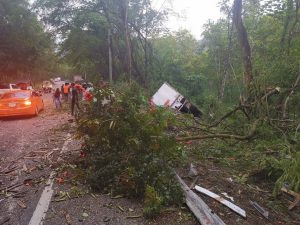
column 128, row 148
column 152, row 202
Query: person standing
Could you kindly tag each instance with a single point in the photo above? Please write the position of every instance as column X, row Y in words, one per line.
column 74, row 99
column 66, row 91
column 56, row 98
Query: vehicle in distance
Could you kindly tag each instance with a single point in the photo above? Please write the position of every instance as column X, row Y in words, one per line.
column 47, row 86
column 21, row 103
column 8, row 87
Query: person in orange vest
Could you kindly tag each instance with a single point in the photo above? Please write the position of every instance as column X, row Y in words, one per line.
column 66, row 91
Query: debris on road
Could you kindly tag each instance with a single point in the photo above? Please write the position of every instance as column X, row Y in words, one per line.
column 85, row 215
column 223, row 201
column 4, row 219
column 28, row 182
column 199, row 208
column 134, row 217
column 256, row 188
column 120, row 207
column 193, row 171
column 227, row 196
column 106, row 219
column 22, row 204
column 260, row 209
column 68, row 217
column 117, row 197
column 194, row 182
column 296, row 201
column 230, row 179
column 7, row 170
column 11, row 187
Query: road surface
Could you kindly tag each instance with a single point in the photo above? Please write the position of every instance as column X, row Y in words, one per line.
column 24, row 145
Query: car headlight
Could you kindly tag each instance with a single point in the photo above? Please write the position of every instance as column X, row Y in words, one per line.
column 27, row 103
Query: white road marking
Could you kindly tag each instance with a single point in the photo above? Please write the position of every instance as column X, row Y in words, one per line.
column 45, row 199
column 43, row 204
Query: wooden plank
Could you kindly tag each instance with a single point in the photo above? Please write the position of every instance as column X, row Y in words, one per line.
column 199, row 208
column 295, row 194
column 223, row 201
column 296, row 202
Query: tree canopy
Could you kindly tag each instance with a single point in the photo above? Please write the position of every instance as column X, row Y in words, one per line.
column 24, row 46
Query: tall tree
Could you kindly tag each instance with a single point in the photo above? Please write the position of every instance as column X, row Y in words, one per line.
column 244, row 42
column 126, row 21
column 22, row 40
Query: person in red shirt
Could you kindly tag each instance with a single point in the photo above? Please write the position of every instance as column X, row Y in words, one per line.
column 56, row 98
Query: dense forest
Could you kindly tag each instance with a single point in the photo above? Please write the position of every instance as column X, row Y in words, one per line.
column 244, row 72
column 85, row 37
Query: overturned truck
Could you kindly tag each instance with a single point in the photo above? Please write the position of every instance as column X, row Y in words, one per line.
column 167, row 96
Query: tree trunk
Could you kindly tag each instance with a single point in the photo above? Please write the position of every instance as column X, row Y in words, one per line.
column 286, row 23
column 107, row 8
column 109, row 56
column 127, row 39
column 227, row 60
column 292, row 30
column 244, row 42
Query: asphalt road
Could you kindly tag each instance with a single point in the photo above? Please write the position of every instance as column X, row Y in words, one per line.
column 24, row 145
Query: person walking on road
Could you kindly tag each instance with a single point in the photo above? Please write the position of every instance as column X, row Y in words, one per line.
column 56, row 98
column 66, row 91
column 74, row 98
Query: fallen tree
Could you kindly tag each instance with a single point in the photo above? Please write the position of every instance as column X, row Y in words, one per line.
column 224, row 136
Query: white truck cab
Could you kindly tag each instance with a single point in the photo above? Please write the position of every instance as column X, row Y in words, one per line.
column 167, row 96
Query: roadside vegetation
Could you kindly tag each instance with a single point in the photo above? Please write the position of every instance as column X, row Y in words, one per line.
column 128, row 150
column 243, row 74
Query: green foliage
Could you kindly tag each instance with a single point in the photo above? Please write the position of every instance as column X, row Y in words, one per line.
column 128, row 147
column 287, row 171
column 24, row 46
column 82, row 27
column 152, row 203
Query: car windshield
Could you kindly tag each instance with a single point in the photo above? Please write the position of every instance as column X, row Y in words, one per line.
column 4, row 86
column 16, row 95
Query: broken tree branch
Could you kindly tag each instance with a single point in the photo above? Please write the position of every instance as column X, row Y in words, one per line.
column 285, row 104
column 225, row 116
column 224, row 136
column 270, row 93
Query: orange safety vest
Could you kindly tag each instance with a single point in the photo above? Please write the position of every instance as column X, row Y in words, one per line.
column 66, row 89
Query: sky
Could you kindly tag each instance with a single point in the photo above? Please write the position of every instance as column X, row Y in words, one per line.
column 193, row 14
